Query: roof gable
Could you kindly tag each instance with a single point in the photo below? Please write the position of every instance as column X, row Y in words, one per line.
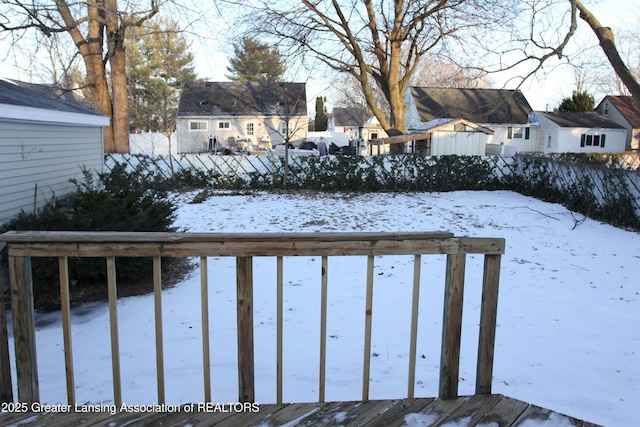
column 243, row 98
column 627, row 107
column 589, row 119
column 350, row 116
column 486, row 106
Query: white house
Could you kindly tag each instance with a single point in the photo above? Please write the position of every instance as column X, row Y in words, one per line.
column 624, row 111
column 504, row 112
column 240, row 115
column 44, row 142
column 569, row 132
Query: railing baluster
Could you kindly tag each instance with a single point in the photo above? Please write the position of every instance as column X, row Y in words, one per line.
column 323, row 329
column 204, row 300
column 366, row 370
column 244, row 278
column 157, row 298
column 279, row 321
column 414, row 325
column 113, row 317
column 6, row 386
column 65, row 307
column 488, row 314
column 452, row 326
column 24, row 329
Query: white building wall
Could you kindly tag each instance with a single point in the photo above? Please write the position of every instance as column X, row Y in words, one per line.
column 460, row 143
column 37, row 161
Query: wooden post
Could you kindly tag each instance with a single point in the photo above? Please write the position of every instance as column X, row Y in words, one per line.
column 244, row 282
column 415, row 300
column 368, row 313
column 24, row 334
column 452, row 326
column 204, row 300
column 6, row 386
column 323, row 328
column 65, row 308
column 113, row 322
column 488, row 315
column 279, row 321
column 157, row 298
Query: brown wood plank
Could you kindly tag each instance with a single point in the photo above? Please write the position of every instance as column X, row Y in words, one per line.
column 505, row 412
column 488, row 316
column 473, row 409
column 438, row 410
column 6, row 385
column 452, row 327
column 24, row 334
column 244, row 279
column 395, row 415
column 274, row 415
column 541, row 415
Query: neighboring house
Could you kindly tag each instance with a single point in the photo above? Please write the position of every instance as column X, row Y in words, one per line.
column 357, row 123
column 440, row 137
column 240, row 115
column 624, row 111
column 569, row 132
column 505, row 112
column 44, row 142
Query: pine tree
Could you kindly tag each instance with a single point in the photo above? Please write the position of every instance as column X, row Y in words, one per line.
column 254, row 61
column 580, row 101
column 321, row 122
column 158, row 64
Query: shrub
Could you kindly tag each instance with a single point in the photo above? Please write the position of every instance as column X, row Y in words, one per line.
column 117, row 201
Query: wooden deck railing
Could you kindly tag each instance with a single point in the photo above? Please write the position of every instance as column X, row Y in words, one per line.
column 24, row 245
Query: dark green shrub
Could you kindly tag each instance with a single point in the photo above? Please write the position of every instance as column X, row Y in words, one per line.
column 117, row 201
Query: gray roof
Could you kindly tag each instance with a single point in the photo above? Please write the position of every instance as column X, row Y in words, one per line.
column 589, row 119
column 38, row 96
column 486, row 106
column 243, row 98
column 627, row 107
column 350, row 116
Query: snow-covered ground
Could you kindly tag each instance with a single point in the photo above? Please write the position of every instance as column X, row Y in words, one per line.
column 568, row 314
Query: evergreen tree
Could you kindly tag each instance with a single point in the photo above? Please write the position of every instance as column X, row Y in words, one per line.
column 254, row 61
column 321, row 122
column 580, row 102
column 158, row 64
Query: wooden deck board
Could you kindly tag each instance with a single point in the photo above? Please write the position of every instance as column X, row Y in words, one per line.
column 473, row 410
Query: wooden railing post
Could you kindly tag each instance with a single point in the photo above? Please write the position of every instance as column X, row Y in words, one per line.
column 24, row 329
column 488, row 315
column 244, row 281
column 452, row 326
column 6, row 386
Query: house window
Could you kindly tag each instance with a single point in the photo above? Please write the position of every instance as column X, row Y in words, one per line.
column 606, row 108
column 374, row 135
column 197, row 126
column 592, row 140
column 518, row 132
column 251, row 129
column 223, row 125
column 283, row 128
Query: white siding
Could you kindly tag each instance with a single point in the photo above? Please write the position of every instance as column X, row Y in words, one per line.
column 46, row 156
column 460, row 143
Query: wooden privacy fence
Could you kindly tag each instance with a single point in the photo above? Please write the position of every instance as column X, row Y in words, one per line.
column 24, row 245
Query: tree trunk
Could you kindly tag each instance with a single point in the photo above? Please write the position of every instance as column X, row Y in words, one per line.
column 608, row 45
column 117, row 62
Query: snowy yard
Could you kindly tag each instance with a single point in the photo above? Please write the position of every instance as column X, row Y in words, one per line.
column 568, row 314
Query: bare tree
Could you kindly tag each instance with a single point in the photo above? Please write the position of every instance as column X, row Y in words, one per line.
column 607, row 42
column 381, row 44
column 97, row 28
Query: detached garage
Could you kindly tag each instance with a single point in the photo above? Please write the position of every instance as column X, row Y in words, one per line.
column 44, row 142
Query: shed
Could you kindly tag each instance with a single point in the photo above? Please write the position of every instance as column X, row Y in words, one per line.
column 572, row 132
column 44, row 142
